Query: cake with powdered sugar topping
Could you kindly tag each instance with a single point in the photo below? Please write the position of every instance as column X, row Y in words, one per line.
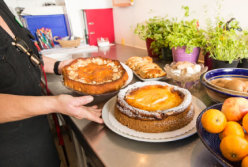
column 154, row 107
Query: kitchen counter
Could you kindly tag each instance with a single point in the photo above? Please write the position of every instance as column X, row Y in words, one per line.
column 107, row 148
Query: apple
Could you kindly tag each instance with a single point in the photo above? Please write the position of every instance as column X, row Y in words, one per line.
column 235, row 108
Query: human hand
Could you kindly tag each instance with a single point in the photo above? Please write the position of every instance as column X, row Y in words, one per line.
column 74, row 106
column 64, row 63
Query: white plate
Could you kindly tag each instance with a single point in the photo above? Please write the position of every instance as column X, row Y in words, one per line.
column 150, row 79
column 108, row 116
column 130, row 78
column 129, row 72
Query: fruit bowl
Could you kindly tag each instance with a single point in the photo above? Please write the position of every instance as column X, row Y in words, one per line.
column 211, row 141
column 217, row 93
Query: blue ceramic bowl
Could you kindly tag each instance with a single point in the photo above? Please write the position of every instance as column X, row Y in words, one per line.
column 212, row 141
column 220, row 94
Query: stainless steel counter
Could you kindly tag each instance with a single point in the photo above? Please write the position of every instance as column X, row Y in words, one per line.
column 110, row 149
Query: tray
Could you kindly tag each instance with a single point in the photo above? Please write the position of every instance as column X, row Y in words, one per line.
column 150, row 79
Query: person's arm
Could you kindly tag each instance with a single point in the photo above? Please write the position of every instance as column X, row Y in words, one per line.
column 14, row 107
column 49, row 64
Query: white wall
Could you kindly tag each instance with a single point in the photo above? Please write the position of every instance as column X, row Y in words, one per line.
column 26, row 3
column 35, row 7
column 125, row 19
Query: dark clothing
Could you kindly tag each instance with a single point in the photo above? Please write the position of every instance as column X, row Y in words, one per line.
column 25, row 143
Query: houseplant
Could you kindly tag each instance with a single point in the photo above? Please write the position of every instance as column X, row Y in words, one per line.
column 154, row 31
column 225, row 44
column 185, row 39
column 244, row 57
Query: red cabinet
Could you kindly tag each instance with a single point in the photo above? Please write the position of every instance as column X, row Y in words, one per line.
column 99, row 23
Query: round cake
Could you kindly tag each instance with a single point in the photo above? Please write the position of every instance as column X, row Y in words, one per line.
column 154, row 107
column 95, row 75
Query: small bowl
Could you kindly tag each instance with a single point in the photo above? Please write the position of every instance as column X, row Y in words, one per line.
column 185, row 81
column 212, row 141
column 217, row 93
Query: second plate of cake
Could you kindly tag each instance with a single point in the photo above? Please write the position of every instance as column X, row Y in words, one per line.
column 145, row 69
column 140, row 112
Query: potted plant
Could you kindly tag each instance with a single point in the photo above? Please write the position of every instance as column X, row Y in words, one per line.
column 225, row 44
column 185, row 39
column 243, row 63
column 154, row 31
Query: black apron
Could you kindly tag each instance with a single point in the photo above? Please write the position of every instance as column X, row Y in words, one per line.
column 25, row 143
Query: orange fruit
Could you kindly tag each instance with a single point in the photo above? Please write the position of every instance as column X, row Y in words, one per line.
column 234, row 148
column 244, row 162
column 245, row 122
column 246, row 136
column 213, row 120
column 232, row 128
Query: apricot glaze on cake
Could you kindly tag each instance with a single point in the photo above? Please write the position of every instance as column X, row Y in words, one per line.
column 154, row 107
column 95, row 75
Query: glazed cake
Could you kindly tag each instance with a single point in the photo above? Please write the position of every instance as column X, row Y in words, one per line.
column 154, row 107
column 95, row 75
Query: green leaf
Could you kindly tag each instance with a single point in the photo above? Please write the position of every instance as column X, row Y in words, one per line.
column 186, row 10
column 226, row 45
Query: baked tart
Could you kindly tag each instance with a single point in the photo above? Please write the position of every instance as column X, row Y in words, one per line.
column 154, row 107
column 144, row 67
column 95, row 75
